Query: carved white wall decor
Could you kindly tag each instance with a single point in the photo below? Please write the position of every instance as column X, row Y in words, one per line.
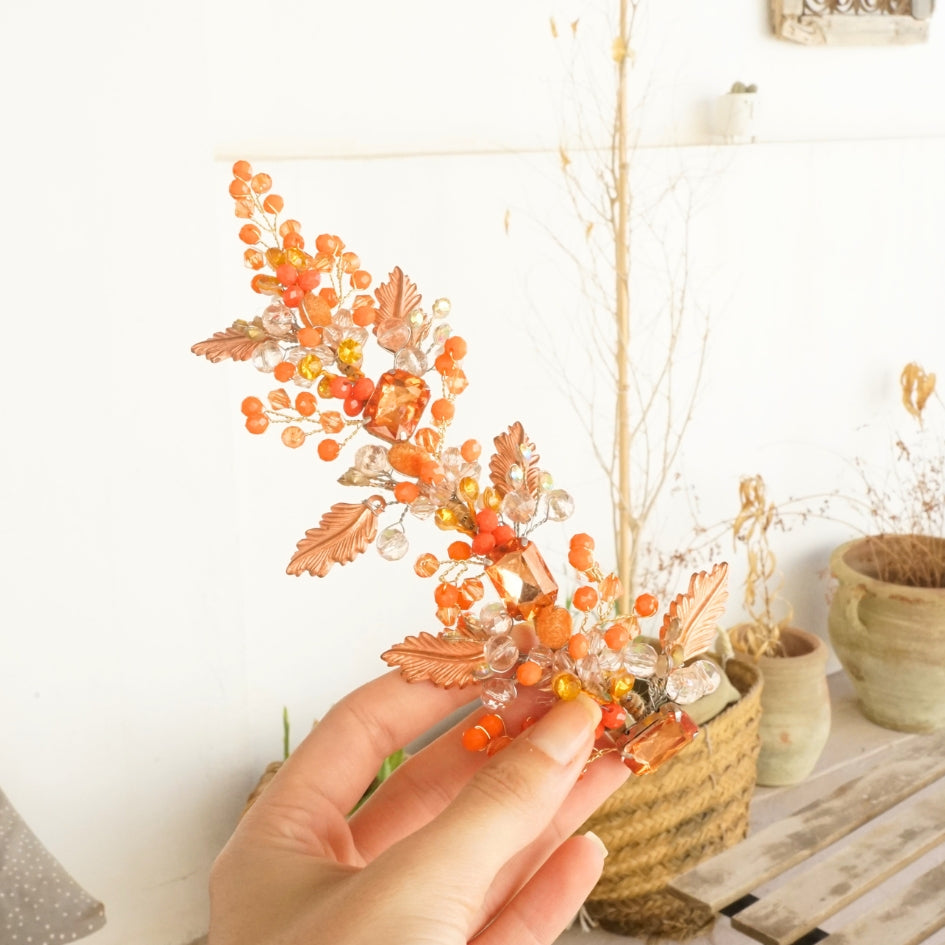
column 852, row 22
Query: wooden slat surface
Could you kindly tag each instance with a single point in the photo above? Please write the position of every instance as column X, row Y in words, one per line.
column 906, row 919
column 785, row 914
column 902, row 772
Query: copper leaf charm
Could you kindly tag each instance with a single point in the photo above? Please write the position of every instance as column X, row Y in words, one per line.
column 397, row 297
column 515, row 451
column 344, row 532
column 445, row 663
column 693, row 617
column 234, row 343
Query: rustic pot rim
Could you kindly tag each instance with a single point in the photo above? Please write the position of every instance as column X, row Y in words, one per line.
column 847, row 573
column 816, row 653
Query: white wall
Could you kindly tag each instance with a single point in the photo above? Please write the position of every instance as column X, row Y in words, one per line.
column 149, row 636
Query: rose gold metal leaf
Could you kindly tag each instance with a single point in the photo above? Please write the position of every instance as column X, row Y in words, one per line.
column 508, row 453
column 698, row 611
column 445, row 663
column 396, row 298
column 344, row 532
column 233, row 343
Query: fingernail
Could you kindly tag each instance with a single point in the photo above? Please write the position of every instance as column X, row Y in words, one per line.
column 564, row 731
column 590, row 835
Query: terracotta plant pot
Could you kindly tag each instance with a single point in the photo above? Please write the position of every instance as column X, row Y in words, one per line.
column 890, row 635
column 795, row 707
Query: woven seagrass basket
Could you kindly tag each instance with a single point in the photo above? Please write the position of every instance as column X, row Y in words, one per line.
column 659, row 825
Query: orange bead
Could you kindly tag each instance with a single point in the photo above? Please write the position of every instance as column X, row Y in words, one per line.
column 428, row 439
column 503, row 534
column 610, row 588
column 459, row 551
column 455, row 347
column 360, row 279
column 287, row 274
column 443, row 363
column 332, row 421
column 364, row 316
column 238, row 188
column 284, row 371
column 251, row 406
column 431, row 472
column 292, row 296
column 446, row 595
column 328, row 450
column 310, row 337
column 483, row 543
column 261, row 183
column 316, row 312
column 279, row 399
column 493, row 725
column 329, row 296
column 617, row 636
column 253, row 259
column 447, row 615
column 471, row 450
column 289, row 226
column 646, row 605
column 442, row 410
column 325, row 243
column 250, row 233
column 243, row 208
column 257, row 423
column 581, row 558
column 293, row 241
column 273, row 204
column 305, row 403
column 293, row 436
column 456, row 381
column 585, row 598
column 475, row 739
column 406, row 492
column 426, row 565
column 528, row 673
column 582, row 540
column 243, row 170
column 577, row 646
column 472, row 589
column 350, row 262
column 309, row 280
column 553, row 626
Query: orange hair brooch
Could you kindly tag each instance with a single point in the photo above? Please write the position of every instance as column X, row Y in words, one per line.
column 312, row 339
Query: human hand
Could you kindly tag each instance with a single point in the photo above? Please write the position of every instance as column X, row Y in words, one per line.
column 454, row 846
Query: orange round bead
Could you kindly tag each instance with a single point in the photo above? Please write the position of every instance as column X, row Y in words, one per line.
column 582, row 540
column 471, row 450
column 305, row 403
column 581, row 558
column 238, row 188
column 475, row 739
column 360, row 279
column 646, row 605
column 249, row 233
column 577, row 646
column 332, row 421
column 310, row 337
column 483, row 543
column 585, row 598
column 257, row 423
column 284, row 371
column 528, row 673
column 273, row 204
column 426, row 565
column 325, row 243
column 406, row 492
column 446, row 595
column 253, row 258
column 289, row 226
column 243, row 170
column 442, row 410
column 493, row 725
column 443, row 363
column 617, row 636
column 459, row 551
column 455, row 347
column 293, row 241
column 293, row 437
column 251, row 406
column 364, row 315
column 261, row 183
column 328, row 450
column 350, row 262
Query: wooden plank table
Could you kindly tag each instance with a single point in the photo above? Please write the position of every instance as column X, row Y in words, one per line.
column 856, row 851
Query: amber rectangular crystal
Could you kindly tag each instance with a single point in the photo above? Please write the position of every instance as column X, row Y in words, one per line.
column 393, row 411
column 523, row 581
column 656, row 738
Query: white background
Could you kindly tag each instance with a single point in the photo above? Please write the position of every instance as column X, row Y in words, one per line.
column 148, row 635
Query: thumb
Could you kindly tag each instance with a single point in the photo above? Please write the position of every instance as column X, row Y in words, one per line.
column 509, row 801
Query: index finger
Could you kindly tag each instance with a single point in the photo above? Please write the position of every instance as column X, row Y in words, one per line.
column 339, row 758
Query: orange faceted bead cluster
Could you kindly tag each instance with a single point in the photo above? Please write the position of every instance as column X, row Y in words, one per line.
column 502, row 621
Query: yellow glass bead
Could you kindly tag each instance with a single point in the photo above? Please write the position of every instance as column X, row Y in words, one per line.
column 469, row 488
column 296, row 257
column 324, row 386
column 491, row 499
column 275, row 257
column 349, row 351
column 566, row 686
column 310, row 367
column 445, row 519
column 621, row 686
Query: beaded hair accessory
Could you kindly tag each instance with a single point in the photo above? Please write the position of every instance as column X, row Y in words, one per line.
column 311, row 338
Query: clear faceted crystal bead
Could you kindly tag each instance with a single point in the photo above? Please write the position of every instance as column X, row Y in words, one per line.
column 442, row 308
column 422, row 507
column 596, row 643
column 393, row 334
column 501, row 653
column 278, row 320
column 343, row 317
column 452, row 462
column 498, row 693
column 267, row 356
column 542, row 655
column 640, row 658
column 411, row 360
column 692, row 682
column 562, row 662
column 496, row 619
column 442, row 332
column 588, row 670
column 518, row 507
column 609, row 660
column 560, row 505
column 392, row 544
column 372, row 459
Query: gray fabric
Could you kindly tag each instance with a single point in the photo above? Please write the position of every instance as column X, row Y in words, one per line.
column 40, row 903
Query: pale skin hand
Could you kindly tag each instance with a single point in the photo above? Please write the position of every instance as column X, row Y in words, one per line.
column 455, row 847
